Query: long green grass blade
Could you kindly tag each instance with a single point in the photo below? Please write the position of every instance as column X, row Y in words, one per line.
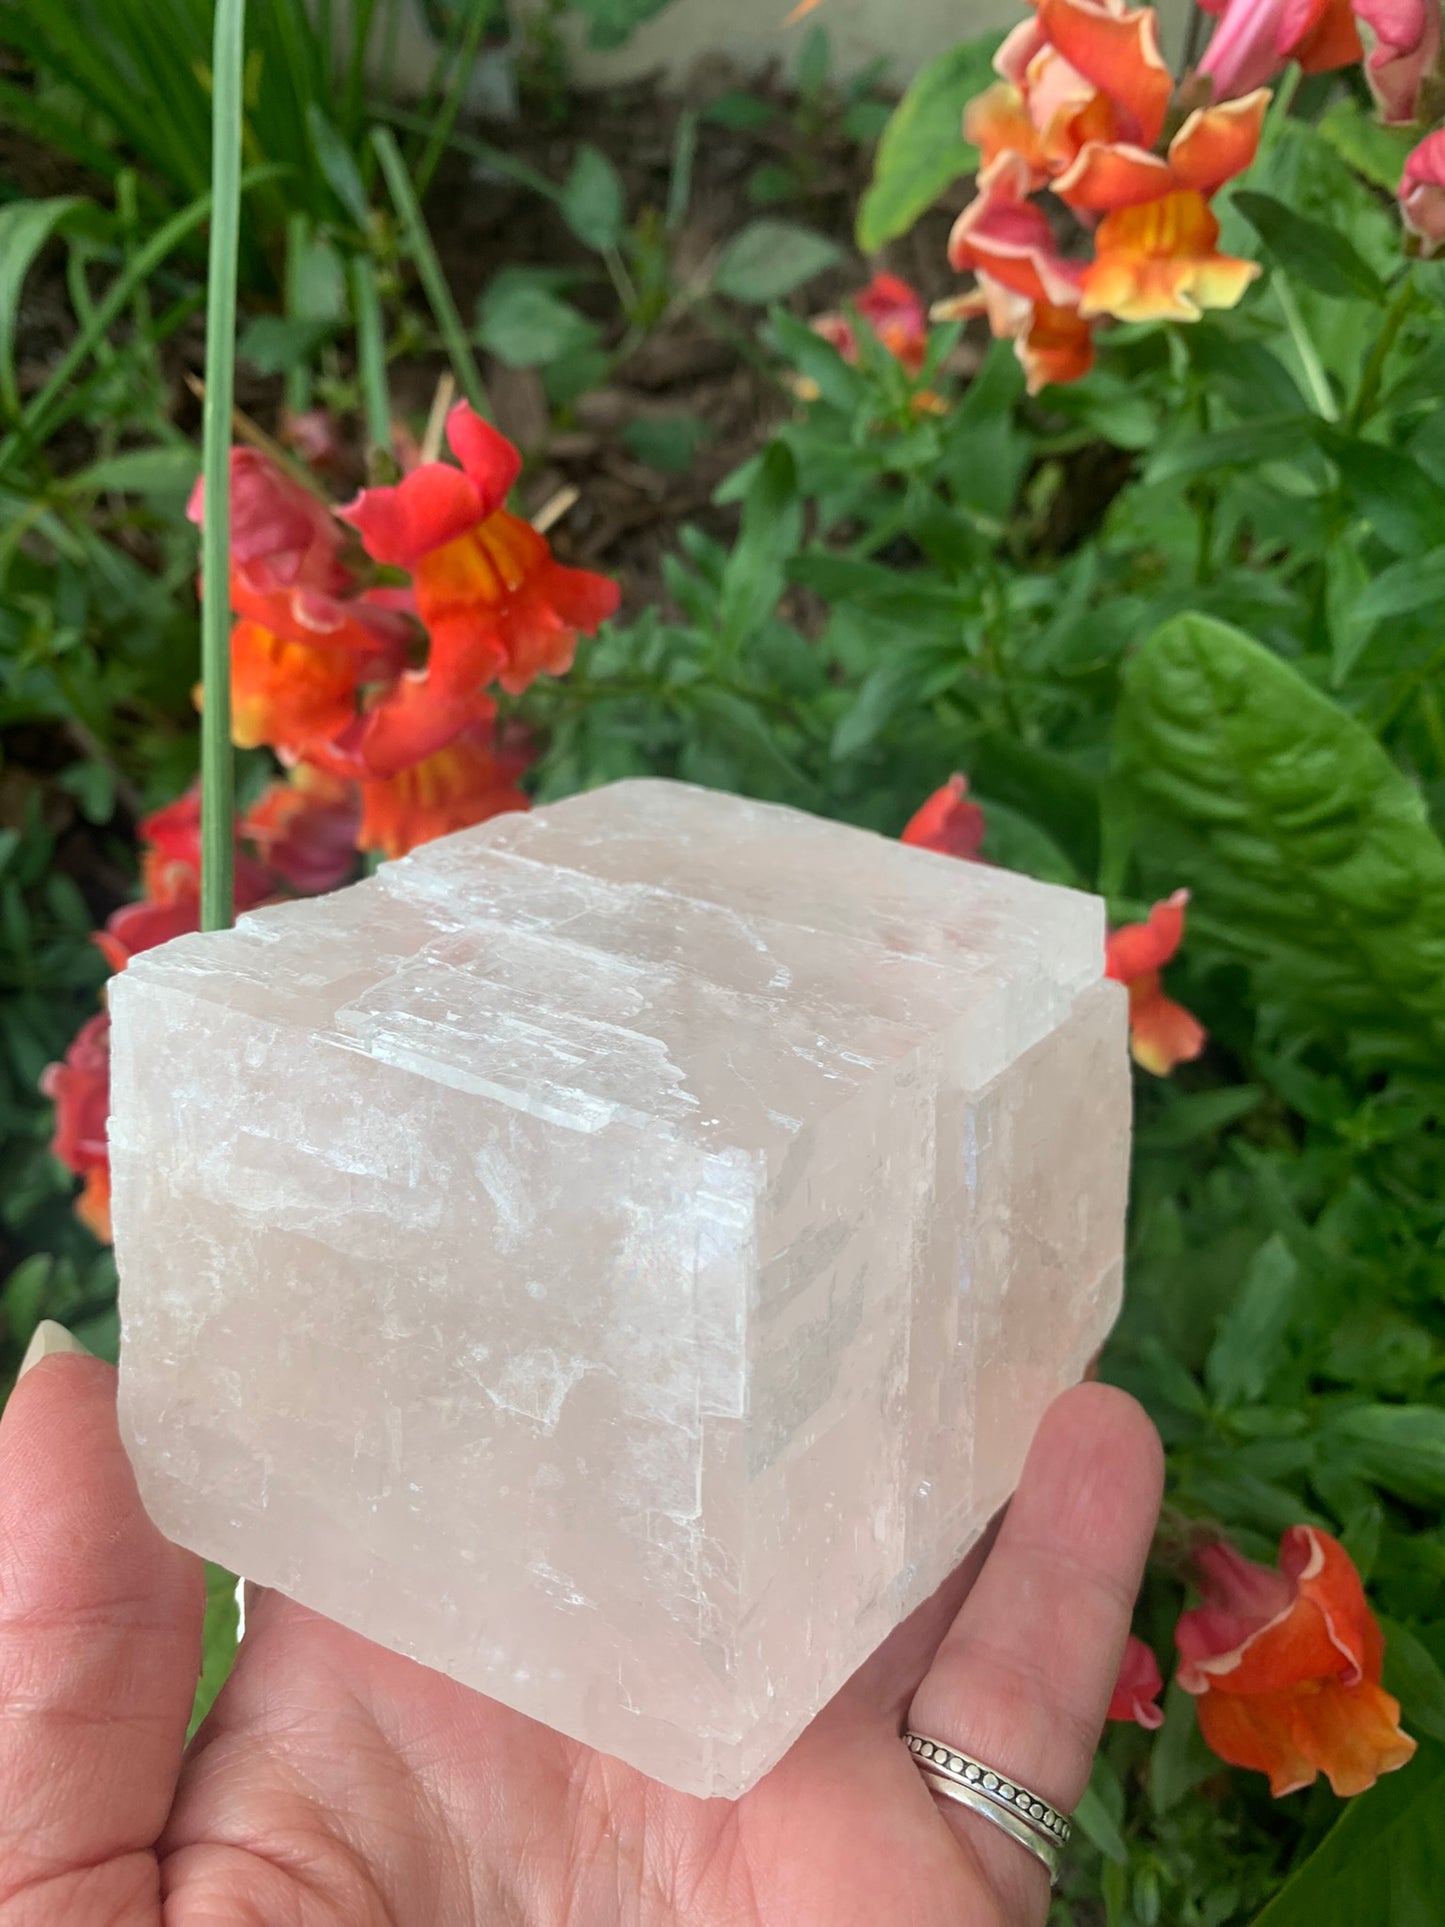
column 218, row 797
column 371, row 360
column 467, row 48
column 418, row 245
column 497, row 159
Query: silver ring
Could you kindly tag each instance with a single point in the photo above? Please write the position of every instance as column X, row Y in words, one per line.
column 1018, row 1810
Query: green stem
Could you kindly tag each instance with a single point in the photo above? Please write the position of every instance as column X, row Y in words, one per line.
column 218, row 795
column 298, row 375
column 1206, row 500
column 1374, row 371
column 371, row 359
column 418, row 244
column 1313, row 368
column 450, row 107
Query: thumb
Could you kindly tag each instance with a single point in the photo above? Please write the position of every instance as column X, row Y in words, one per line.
column 100, row 1641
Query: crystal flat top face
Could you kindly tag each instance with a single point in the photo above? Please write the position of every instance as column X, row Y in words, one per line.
column 713, row 970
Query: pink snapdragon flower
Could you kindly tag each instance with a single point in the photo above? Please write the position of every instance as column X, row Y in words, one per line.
column 1404, row 55
column 1256, row 38
column 1422, row 193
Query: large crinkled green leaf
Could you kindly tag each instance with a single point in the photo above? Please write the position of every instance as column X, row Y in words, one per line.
column 1307, row 850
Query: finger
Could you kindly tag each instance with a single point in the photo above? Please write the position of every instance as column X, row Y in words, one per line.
column 100, row 1642
column 1023, row 1677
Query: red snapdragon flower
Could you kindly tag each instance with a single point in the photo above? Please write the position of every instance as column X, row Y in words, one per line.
column 496, row 604
column 1138, row 1687
column 304, row 830
column 1161, row 1032
column 948, row 822
column 282, row 536
column 170, row 901
column 79, row 1088
column 1286, row 1667
column 895, row 313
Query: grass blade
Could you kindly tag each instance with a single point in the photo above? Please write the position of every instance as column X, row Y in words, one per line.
column 218, row 797
column 371, row 361
column 463, row 60
column 418, row 245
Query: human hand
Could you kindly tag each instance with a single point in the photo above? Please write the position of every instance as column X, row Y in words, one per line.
column 339, row 1785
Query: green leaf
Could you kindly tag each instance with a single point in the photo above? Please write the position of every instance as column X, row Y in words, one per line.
column 744, row 729
column 1384, row 1860
column 1192, row 1117
column 1414, row 1676
column 1098, row 1813
column 611, row 23
column 337, row 162
column 1276, row 438
column 739, row 109
column 1399, row 1447
column 769, row 259
column 1376, row 153
column 274, row 344
column 1179, row 1759
column 25, row 227
column 526, row 326
column 771, row 527
column 592, row 201
column 1318, row 255
column 1252, row 1335
column 818, row 361
column 923, row 150
column 218, row 1640
column 670, row 443
column 1403, row 505
column 1308, row 851
column 1415, row 582
column 142, row 471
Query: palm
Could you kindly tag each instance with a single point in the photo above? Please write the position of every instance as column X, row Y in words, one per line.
column 338, row 1783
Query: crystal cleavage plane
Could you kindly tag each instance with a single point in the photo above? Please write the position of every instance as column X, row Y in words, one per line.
column 618, row 1255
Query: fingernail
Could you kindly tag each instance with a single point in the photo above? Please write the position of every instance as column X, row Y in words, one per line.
column 48, row 1337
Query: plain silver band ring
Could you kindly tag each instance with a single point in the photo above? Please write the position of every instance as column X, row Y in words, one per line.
column 1018, row 1809
column 976, row 1802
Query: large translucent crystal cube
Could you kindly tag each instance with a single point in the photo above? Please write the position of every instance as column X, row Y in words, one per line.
column 618, row 1255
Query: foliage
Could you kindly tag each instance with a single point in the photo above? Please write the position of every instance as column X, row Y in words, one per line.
column 1147, row 615
column 1176, row 622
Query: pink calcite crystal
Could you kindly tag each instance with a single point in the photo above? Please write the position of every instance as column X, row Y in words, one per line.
column 618, row 1255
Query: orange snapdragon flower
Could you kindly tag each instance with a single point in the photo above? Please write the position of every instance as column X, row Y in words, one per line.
column 1161, row 1032
column 468, row 779
column 1159, row 262
column 1285, row 1667
column 948, row 822
column 299, row 661
column 1082, row 108
column 496, row 604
